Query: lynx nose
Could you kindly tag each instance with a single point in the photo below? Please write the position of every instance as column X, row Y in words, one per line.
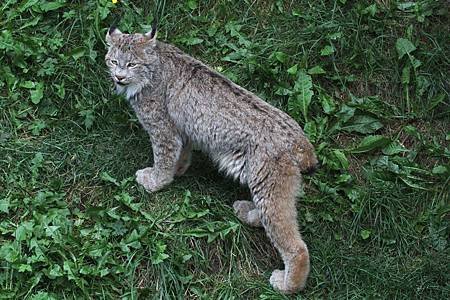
column 119, row 78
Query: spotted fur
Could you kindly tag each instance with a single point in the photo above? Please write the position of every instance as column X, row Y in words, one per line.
column 180, row 101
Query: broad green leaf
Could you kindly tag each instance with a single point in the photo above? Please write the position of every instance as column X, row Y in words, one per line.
column 42, row 296
column 281, row 56
column 192, row 4
column 406, row 5
column 77, row 53
column 125, row 198
column 309, row 217
column 159, row 255
column 413, row 131
column 24, row 231
column 406, row 75
column 89, row 117
column 233, row 28
column 335, row 35
column 33, row 22
column 86, row 270
column 61, row 91
column 282, row 91
column 327, row 50
column 344, row 178
column 27, row 4
column 4, row 205
column 370, row 143
column 55, row 271
column 25, row 268
column 9, row 252
column 8, row 75
column 404, row 46
column 135, row 206
column 436, row 101
column 28, row 84
column 363, row 124
column 51, row 230
column 365, row 234
column 412, row 184
column 328, row 104
column 104, row 272
column 439, row 170
column 302, row 99
column 48, row 6
column 310, row 129
column 346, row 113
column 394, row 148
column 37, row 161
column 415, row 62
column 108, row 178
column 316, row 70
column 422, row 85
column 67, row 266
column 38, row 93
column 21, row 233
column 326, row 217
column 212, row 30
column 342, row 158
column 293, row 70
column 370, row 10
column 191, row 41
column 96, row 252
column 37, row 126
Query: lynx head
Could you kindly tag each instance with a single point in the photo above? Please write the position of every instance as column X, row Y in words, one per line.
column 132, row 59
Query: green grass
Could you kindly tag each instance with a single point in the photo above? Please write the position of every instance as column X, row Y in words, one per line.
column 368, row 80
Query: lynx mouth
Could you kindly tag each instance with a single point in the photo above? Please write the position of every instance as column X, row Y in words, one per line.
column 121, row 83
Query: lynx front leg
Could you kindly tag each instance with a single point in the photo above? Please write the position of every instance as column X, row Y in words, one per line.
column 165, row 155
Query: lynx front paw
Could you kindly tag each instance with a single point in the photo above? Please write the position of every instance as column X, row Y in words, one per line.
column 247, row 212
column 146, row 178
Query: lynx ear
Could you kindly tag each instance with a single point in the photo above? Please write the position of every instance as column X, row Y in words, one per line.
column 112, row 32
column 151, row 36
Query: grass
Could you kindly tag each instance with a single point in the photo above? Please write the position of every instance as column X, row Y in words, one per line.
column 368, row 81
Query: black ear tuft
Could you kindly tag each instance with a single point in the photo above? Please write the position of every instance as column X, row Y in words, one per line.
column 154, row 28
column 112, row 29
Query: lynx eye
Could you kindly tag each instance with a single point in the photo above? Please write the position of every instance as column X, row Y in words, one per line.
column 131, row 65
column 114, row 62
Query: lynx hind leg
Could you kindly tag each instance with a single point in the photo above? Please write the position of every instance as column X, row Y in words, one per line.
column 275, row 197
column 184, row 161
column 247, row 212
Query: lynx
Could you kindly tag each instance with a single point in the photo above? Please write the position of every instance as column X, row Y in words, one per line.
column 182, row 102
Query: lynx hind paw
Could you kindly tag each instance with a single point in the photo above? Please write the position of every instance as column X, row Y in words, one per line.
column 278, row 283
column 247, row 212
column 277, row 280
column 241, row 208
column 143, row 175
